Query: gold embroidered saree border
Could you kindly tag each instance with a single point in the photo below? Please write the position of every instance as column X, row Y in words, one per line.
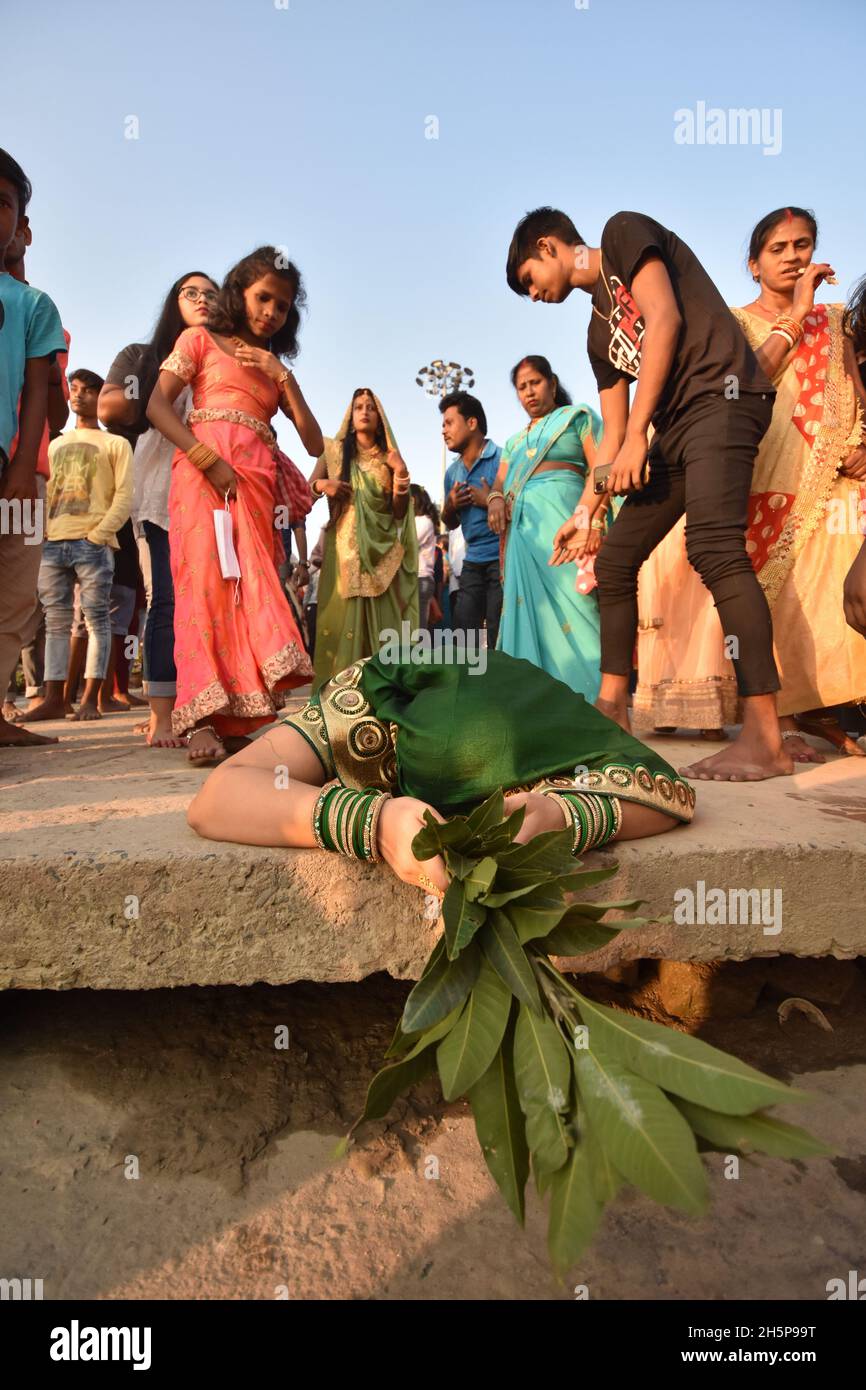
column 256, row 704
column 828, row 451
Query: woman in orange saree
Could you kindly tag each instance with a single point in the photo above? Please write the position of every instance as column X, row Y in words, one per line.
column 807, row 505
column 238, row 650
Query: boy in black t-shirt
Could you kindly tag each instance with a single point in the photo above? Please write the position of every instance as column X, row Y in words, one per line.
column 657, row 318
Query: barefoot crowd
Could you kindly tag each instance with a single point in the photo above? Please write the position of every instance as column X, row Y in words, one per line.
column 686, row 552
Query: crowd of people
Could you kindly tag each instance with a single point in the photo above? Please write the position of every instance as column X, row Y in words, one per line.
column 688, row 556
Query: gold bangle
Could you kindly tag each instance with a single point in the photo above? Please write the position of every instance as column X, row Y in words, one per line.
column 201, row 456
column 492, row 496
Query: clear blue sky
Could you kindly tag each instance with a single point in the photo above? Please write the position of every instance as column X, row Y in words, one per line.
column 305, row 126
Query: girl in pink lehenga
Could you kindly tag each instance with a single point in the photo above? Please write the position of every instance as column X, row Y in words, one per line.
column 238, row 650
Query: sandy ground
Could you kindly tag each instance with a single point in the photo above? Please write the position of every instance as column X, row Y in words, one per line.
column 237, row 1196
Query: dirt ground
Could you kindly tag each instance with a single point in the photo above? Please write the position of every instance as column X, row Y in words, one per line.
column 237, row 1195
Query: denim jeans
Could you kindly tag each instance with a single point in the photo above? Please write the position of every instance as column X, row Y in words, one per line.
column 93, row 566
column 159, row 632
column 480, row 598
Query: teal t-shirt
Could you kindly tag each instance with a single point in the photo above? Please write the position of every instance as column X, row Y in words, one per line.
column 29, row 327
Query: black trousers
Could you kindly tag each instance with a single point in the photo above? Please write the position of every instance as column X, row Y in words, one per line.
column 480, row 598
column 702, row 466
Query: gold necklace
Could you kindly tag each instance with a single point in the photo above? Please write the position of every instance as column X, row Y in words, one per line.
column 532, row 452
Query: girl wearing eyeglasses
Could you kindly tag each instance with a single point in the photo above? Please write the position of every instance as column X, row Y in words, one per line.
column 123, row 410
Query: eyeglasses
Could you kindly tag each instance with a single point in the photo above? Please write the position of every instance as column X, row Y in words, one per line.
column 194, row 295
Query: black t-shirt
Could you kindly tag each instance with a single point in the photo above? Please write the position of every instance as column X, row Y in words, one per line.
column 711, row 347
column 136, row 369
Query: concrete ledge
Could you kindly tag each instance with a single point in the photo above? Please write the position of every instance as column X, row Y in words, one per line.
column 93, row 830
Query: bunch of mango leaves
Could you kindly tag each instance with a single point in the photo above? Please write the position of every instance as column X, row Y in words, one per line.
column 586, row 1097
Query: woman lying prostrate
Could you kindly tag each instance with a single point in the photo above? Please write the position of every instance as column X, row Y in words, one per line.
column 381, row 743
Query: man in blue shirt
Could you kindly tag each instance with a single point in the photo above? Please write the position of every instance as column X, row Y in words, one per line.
column 30, row 338
column 468, row 481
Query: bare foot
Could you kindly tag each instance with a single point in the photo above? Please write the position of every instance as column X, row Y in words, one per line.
column 130, row 701
column 615, row 710
column 46, row 709
column 803, row 752
column 14, row 736
column 158, row 735
column 142, row 728
column 742, row 762
column 205, row 748
column 112, row 706
column 84, row 712
column 9, row 711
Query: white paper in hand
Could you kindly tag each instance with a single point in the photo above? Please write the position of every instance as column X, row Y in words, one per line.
column 222, row 524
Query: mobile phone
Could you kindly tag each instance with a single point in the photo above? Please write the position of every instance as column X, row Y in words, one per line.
column 601, row 475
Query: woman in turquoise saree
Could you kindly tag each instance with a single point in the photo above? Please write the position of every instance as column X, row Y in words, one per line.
column 545, row 475
column 369, row 576
column 383, row 742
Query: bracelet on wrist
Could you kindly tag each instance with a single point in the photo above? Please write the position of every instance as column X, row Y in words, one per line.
column 202, row 456
column 495, row 495
column 346, row 821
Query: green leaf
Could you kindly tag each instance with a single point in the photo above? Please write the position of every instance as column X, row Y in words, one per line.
column 442, row 989
column 605, row 1179
column 468, row 1050
column 437, row 836
column 500, row 945
column 645, row 1136
column 479, row 879
column 548, row 853
column 461, row 917
column 542, row 1071
column 499, row 1126
column 574, row 1212
column 501, row 895
column 751, row 1133
column 416, row 1042
column 502, row 836
column 458, row 864
column 536, row 914
column 488, row 815
column 391, row 1081
column 683, row 1064
column 587, row 878
column 402, row 1041
column 577, row 934
column 597, row 910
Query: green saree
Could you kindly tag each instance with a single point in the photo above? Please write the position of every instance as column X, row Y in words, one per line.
column 451, row 737
column 369, row 579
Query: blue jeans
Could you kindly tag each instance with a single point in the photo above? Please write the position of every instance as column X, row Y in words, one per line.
column 93, row 566
column 159, row 632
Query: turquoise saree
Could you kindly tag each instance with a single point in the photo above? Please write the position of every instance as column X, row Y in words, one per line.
column 544, row 619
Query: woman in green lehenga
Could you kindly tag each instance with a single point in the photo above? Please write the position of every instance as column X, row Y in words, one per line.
column 381, row 743
column 369, row 577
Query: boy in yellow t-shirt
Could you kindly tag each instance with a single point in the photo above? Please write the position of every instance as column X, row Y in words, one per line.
column 88, row 499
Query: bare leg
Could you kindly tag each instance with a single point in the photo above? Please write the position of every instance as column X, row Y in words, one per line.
column 77, row 658
column 613, row 700
column 16, row 736
column 264, row 795
column 89, row 707
column 159, row 734
column 51, row 706
column 756, row 753
column 107, row 702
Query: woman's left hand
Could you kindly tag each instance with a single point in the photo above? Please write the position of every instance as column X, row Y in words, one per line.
column 855, row 464
column 259, row 358
column 541, row 814
column 400, row 820
column 574, row 548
